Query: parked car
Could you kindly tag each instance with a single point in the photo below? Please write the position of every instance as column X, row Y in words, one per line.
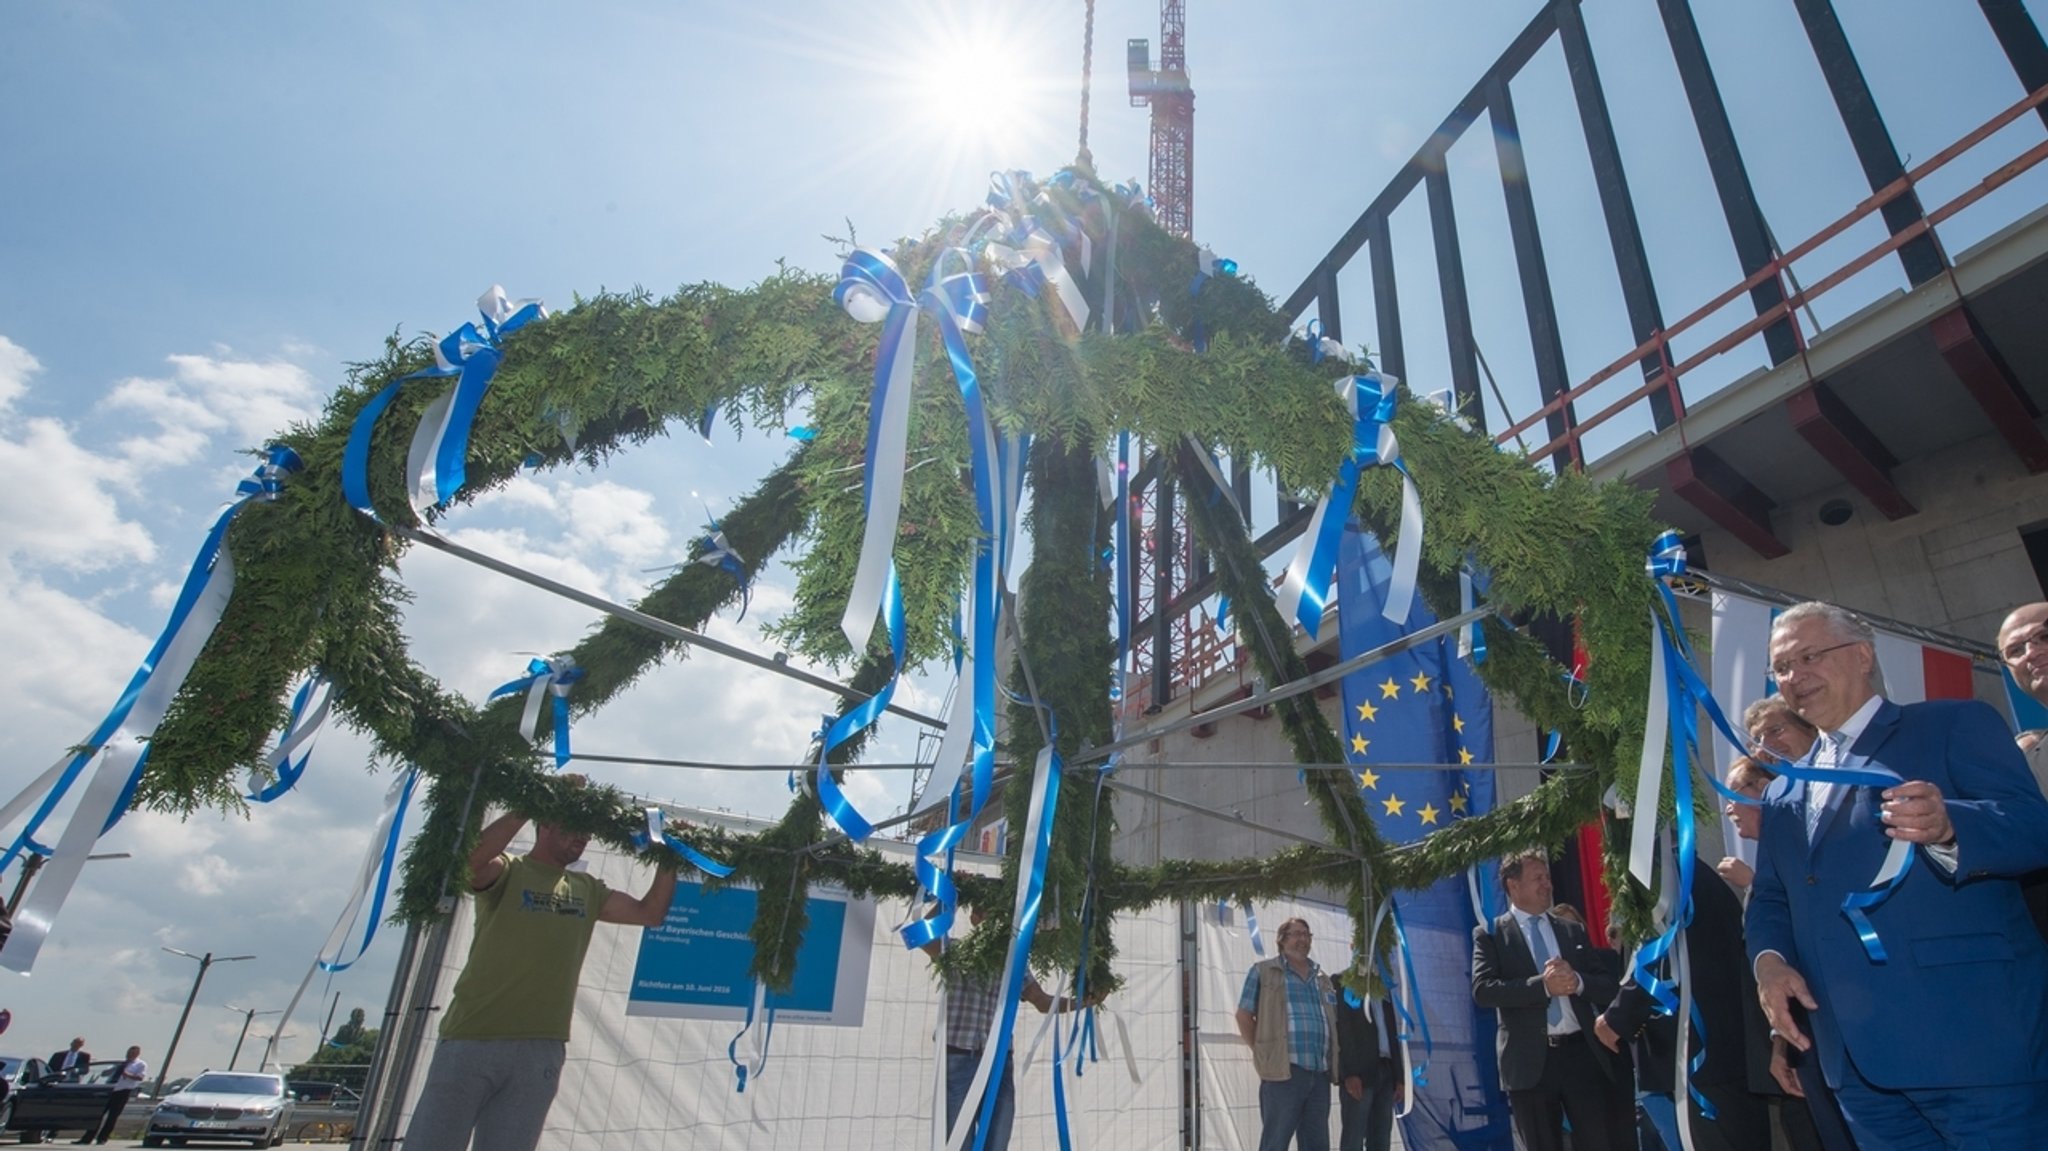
column 16, row 1072
column 56, row 1103
column 225, row 1106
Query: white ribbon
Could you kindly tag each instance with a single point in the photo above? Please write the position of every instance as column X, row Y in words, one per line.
column 330, row 951
column 1642, row 840
column 886, row 462
column 1042, row 251
column 119, row 758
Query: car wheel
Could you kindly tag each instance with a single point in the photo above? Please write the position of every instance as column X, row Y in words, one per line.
column 277, row 1137
column 32, row 1137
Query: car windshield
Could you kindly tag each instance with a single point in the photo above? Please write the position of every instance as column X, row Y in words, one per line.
column 9, row 1064
column 236, row 1085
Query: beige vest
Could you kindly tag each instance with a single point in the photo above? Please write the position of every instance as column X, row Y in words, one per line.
column 1269, row 1038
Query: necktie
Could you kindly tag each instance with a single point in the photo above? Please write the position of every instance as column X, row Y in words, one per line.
column 1540, row 948
column 1817, row 792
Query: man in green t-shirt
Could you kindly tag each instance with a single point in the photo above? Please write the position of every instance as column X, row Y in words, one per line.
column 503, row 1039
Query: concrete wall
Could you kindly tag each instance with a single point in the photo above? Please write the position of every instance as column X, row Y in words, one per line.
column 1957, row 566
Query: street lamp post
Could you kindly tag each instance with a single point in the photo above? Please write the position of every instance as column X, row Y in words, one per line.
column 249, row 1015
column 205, row 961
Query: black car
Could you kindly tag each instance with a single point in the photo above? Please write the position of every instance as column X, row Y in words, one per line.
column 15, row 1072
column 54, row 1103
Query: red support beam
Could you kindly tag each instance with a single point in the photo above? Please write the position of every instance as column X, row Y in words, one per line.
column 1846, row 443
column 1700, row 477
column 1977, row 363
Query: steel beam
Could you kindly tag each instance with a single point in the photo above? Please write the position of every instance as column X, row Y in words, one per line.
column 1867, row 133
column 1450, row 278
column 1703, row 480
column 1724, row 163
column 1977, row 362
column 1624, row 233
column 2021, row 38
column 1545, row 342
column 1849, row 446
column 1386, row 301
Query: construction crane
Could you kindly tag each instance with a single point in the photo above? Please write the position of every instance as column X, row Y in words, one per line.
column 1172, row 99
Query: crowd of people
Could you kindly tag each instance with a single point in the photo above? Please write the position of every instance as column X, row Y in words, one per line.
column 1876, row 980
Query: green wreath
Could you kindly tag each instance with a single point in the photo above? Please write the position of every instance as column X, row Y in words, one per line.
column 317, row 586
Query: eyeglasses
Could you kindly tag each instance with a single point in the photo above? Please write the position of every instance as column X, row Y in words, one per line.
column 1805, row 660
column 2015, row 648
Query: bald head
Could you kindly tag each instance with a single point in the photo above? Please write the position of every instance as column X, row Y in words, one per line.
column 2023, row 646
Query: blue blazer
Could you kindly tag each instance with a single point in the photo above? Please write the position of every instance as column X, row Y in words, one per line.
column 1959, row 1001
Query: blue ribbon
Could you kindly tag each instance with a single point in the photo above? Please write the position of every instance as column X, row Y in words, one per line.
column 857, row 718
column 385, row 867
column 544, row 678
column 1372, row 399
column 712, row 549
column 1419, row 1021
column 299, row 729
column 1857, row 905
column 468, row 353
column 657, row 832
column 262, row 486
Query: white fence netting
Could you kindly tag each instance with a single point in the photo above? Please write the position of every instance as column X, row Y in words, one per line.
column 638, row 1082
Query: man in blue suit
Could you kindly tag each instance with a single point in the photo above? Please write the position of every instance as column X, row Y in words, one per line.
column 1933, row 1031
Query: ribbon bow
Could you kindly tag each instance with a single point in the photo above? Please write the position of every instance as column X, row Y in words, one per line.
column 1321, row 346
column 545, row 678
column 267, row 480
column 436, row 464
column 657, row 832
column 713, row 550
column 1304, row 593
column 299, row 730
column 1029, row 254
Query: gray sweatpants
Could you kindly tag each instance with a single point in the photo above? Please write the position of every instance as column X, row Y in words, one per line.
column 495, row 1090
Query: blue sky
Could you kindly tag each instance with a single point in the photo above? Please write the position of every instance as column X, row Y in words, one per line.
column 211, row 208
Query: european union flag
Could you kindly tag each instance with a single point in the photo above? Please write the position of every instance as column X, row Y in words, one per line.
column 1426, row 705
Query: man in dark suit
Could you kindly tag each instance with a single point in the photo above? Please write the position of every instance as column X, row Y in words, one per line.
column 1369, row 1073
column 1547, row 983
column 1724, row 993
column 71, row 1062
column 1943, row 1041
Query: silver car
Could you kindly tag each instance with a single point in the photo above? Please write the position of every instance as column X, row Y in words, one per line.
column 223, row 1106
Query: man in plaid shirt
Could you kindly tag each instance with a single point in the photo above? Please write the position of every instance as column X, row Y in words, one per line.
column 1286, row 1013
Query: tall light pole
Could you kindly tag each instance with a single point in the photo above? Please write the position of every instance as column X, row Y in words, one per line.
column 249, row 1015
column 205, row 961
column 270, row 1044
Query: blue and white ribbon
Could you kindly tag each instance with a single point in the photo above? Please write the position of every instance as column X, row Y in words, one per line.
column 1371, row 399
column 546, row 679
column 1031, row 865
column 757, row 1030
column 1677, row 694
column 120, row 742
column 1473, row 582
column 712, row 549
column 657, row 832
column 1413, row 1019
column 873, row 292
column 372, row 881
column 1857, row 905
column 300, row 729
column 437, row 463
column 1027, row 252
column 1320, row 346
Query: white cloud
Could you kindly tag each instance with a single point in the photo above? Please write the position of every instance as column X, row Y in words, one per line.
column 204, row 395
column 16, row 366
column 60, row 511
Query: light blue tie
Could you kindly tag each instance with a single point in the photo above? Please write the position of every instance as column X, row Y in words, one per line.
column 1541, row 950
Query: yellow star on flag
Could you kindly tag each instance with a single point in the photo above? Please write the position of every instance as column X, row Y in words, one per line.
column 1420, row 683
column 1393, row 804
column 1390, row 689
column 1457, row 802
column 1447, row 692
column 1368, row 713
column 1464, row 755
column 1458, row 724
column 1428, row 813
column 1368, row 779
column 1359, row 743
